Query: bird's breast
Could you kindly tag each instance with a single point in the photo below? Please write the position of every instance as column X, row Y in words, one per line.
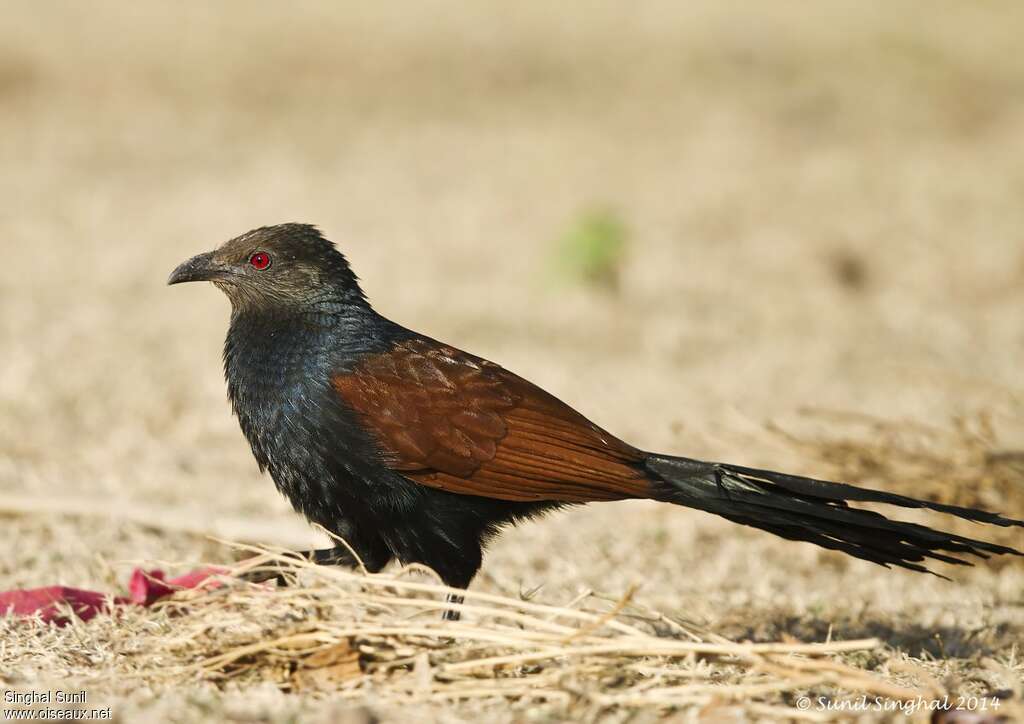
column 313, row 447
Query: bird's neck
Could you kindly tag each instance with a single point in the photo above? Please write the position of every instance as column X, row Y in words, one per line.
column 267, row 344
column 277, row 364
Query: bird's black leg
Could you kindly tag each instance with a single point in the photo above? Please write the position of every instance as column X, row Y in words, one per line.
column 452, row 614
column 452, row 551
column 324, row 556
column 337, row 556
column 458, row 574
column 370, row 552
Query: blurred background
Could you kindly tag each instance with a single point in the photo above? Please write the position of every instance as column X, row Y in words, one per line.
column 686, row 219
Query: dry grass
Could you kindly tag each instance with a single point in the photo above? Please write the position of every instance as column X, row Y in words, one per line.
column 962, row 463
column 821, row 206
column 379, row 638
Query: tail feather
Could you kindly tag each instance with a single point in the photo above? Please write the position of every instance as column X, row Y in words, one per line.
column 818, row 511
column 841, row 492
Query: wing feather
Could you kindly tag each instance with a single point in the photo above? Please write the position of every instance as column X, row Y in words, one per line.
column 449, row 420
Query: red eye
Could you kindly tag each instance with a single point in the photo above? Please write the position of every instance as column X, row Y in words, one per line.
column 260, row 260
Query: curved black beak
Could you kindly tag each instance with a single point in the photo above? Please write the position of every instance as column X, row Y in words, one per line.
column 200, row 268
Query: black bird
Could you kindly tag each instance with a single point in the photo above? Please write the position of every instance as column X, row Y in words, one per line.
column 410, row 449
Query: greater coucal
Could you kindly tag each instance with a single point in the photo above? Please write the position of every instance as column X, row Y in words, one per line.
column 408, row 448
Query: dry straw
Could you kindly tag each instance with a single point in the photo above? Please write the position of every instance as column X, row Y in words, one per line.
column 362, row 638
column 358, row 634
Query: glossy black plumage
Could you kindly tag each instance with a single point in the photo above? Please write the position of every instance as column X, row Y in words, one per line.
column 413, row 450
column 325, row 462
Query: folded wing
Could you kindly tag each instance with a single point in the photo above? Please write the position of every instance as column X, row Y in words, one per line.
column 449, row 420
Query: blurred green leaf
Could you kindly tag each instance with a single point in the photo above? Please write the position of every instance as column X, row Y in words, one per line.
column 593, row 249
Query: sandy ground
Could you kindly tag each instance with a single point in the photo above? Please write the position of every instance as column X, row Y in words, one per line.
column 824, row 211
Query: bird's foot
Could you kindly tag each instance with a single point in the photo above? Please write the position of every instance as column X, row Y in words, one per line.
column 282, row 572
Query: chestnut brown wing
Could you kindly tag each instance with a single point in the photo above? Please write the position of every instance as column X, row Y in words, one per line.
column 449, row 420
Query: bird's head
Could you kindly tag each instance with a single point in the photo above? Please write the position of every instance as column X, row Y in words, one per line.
column 288, row 267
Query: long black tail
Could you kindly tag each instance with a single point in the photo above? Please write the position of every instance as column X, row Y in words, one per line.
column 818, row 511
